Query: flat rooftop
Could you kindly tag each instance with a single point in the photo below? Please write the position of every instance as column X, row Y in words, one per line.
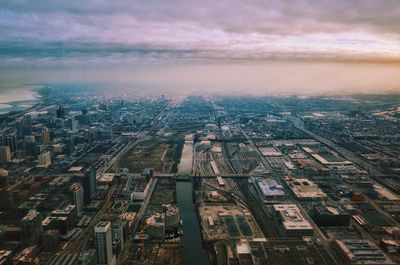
column 270, row 187
column 292, row 218
column 305, row 188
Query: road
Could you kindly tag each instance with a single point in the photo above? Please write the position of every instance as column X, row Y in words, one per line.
column 298, row 123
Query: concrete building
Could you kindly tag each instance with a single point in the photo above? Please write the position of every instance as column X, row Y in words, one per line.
column 12, row 141
column 330, row 216
column 104, row 243
column 172, row 217
column 156, row 225
column 269, row 188
column 5, row 154
column 291, row 220
column 78, row 197
column 90, row 185
column 44, row 159
column 45, row 136
column 5, row 257
column 358, row 251
column 68, row 215
column 305, row 189
column 31, row 228
column 4, row 179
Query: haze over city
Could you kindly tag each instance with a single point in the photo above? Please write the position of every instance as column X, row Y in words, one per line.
column 223, row 47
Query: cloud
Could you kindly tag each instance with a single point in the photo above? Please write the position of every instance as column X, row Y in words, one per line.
column 148, row 30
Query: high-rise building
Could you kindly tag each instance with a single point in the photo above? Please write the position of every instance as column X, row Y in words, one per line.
column 45, row 136
column 5, row 154
column 12, row 141
column 90, row 184
column 19, row 127
column 77, row 197
column 70, row 145
column 104, row 243
column 44, row 159
column 72, row 124
column 27, row 124
column 3, row 178
column 31, row 228
column 31, row 148
column 60, row 112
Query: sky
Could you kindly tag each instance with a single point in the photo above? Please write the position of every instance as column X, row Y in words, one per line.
column 275, row 47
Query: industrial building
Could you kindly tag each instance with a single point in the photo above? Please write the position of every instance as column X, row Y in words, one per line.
column 291, row 220
column 357, row 251
column 330, row 216
column 304, row 189
column 156, row 226
column 269, row 188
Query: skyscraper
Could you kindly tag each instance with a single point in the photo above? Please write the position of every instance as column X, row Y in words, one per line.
column 45, row 136
column 44, row 159
column 5, row 154
column 4, row 181
column 12, row 142
column 77, row 197
column 27, row 124
column 60, row 112
column 31, row 228
column 90, row 184
column 104, row 243
column 31, row 148
column 70, row 145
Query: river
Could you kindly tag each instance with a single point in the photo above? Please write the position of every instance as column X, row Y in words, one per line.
column 193, row 251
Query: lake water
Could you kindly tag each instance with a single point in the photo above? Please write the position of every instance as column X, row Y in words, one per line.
column 17, row 99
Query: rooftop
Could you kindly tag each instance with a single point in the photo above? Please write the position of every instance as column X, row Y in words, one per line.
column 292, row 217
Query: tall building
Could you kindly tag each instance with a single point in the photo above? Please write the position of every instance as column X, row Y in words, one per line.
column 90, row 184
column 5, row 154
column 44, row 159
column 45, row 136
column 60, row 112
column 12, row 141
column 72, row 124
column 27, row 124
column 70, row 145
column 19, row 127
column 3, row 178
column 31, row 228
column 77, row 197
column 104, row 243
column 31, row 148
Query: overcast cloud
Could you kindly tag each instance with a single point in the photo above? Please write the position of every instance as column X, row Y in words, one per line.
column 274, row 47
column 178, row 29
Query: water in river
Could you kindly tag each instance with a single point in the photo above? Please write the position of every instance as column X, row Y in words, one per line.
column 193, row 251
column 185, row 165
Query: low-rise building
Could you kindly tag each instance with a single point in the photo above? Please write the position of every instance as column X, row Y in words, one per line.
column 291, row 220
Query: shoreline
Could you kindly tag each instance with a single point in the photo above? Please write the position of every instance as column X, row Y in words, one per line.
column 19, row 105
